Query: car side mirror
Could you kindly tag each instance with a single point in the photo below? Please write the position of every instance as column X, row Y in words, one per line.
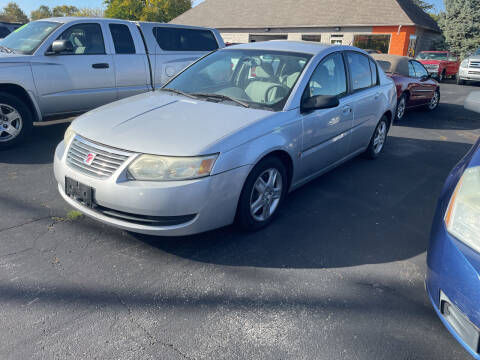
column 61, row 46
column 319, row 102
column 426, row 77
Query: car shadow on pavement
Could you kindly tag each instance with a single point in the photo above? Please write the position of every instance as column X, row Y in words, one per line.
column 364, row 212
column 445, row 117
column 39, row 148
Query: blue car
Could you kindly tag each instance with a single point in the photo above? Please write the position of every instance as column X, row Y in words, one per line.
column 453, row 277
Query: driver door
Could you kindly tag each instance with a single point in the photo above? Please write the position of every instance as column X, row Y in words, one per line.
column 79, row 80
column 326, row 134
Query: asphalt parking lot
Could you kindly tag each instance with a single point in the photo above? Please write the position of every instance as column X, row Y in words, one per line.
column 339, row 275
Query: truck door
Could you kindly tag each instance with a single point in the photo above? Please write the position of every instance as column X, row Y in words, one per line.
column 77, row 80
column 132, row 71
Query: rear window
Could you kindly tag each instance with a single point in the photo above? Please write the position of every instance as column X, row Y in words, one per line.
column 122, row 39
column 178, row 39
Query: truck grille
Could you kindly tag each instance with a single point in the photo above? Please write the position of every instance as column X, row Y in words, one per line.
column 105, row 162
column 475, row 64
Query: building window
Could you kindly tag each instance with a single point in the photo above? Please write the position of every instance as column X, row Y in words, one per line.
column 372, row 42
column 317, row 38
column 336, row 39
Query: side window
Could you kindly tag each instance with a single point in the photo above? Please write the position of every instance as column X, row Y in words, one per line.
column 180, row 39
column 86, row 39
column 329, row 78
column 373, row 69
column 4, row 32
column 359, row 66
column 420, row 71
column 122, row 39
column 411, row 70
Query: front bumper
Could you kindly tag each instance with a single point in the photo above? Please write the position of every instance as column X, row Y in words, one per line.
column 453, row 277
column 469, row 74
column 207, row 203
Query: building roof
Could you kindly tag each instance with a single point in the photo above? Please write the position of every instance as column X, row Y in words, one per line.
column 229, row 14
column 393, row 63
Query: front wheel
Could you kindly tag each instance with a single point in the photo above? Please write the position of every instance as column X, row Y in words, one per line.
column 434, row 101
column 378, row 139
column 401, row 108
column 16, row 120
column 460, row 81
column 441, row 76
column 262, row 195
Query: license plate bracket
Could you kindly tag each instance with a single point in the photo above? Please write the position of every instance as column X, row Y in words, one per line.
column 79, row 192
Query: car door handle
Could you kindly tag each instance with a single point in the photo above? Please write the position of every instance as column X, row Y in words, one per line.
column 100, row 66
column 347, row 110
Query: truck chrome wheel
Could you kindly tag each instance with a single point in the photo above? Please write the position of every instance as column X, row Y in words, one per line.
column 10, row 123
column 266, row 194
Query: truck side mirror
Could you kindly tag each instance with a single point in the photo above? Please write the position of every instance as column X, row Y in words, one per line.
column 61, row 46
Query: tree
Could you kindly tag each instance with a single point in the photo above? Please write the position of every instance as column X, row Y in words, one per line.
column 13, row 13
column 89, row 12
column 146, row 10
column 64, row 10
column 425, row 6
column 461, row 25
column 41, row 13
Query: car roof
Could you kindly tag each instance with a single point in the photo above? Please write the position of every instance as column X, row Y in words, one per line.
column 308, row 47
column 394, row 64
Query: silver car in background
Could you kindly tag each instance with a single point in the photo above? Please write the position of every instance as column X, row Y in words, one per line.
column 226, row 139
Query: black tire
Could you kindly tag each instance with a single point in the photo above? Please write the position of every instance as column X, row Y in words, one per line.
column 372, row 151
column 25, row 120
column 441, row 76
column 399, row 112
column 460, row 81
column 431, row 106
column 454, row 77
column 244, row 219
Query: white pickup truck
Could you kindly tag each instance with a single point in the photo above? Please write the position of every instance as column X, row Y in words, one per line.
column 61, row 67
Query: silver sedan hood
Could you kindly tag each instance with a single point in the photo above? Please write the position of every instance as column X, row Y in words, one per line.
column 165, row 124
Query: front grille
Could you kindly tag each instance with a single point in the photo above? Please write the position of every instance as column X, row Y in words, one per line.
column 475, row 64
column 474, row 73
column 432, row 67
column 107, row 160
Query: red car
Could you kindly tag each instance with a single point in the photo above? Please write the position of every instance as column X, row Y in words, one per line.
column 440, row 64
column 415, row 87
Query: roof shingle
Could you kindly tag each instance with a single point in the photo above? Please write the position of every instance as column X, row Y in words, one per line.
column 231, row 14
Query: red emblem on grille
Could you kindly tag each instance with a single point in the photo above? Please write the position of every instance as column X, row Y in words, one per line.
column 89, row 158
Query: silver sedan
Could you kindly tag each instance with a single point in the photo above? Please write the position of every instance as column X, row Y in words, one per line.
column 226, row 139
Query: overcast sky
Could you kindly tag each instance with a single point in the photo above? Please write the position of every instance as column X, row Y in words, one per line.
column 29, row 5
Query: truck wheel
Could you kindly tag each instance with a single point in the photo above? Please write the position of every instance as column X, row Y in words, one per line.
column 460, row 81
column 441, row 76
column 16, row 120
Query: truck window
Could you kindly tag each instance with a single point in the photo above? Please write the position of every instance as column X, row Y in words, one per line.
column 4, row 31
column 87, row 39
column 178, row 39
column 122, row 39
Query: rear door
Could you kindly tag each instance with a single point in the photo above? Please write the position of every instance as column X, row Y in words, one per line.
column 425, row 87
column 326, row 131
column 365, row 98
column 172, row 48
column 78, row 80
column 132, row 72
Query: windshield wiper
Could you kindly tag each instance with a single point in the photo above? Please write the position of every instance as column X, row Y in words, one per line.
column 179, row 92
column 6, row 49
column 222, row 97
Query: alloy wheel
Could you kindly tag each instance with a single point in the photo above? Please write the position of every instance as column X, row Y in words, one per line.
column 434, row 101
column 401, row 107
column 380, row 136
column 266, row 195
column 10, row 123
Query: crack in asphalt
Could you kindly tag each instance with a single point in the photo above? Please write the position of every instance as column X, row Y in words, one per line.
column 23, row 224
column 152, row 338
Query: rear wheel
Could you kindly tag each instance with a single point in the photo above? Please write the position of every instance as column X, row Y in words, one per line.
column 378, row 139
column 16, row 120
column 262, row 195
column 434, row 101
column 401, row 107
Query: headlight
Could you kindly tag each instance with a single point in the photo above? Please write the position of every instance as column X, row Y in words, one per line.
column 463, row 214
column 464, row 63
column 167, row 168
column 69, row 135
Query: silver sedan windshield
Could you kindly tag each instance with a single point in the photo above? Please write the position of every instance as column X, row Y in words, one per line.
column 254, row 78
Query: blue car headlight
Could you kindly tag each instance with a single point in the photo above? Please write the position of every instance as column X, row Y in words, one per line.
column 462, row 218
